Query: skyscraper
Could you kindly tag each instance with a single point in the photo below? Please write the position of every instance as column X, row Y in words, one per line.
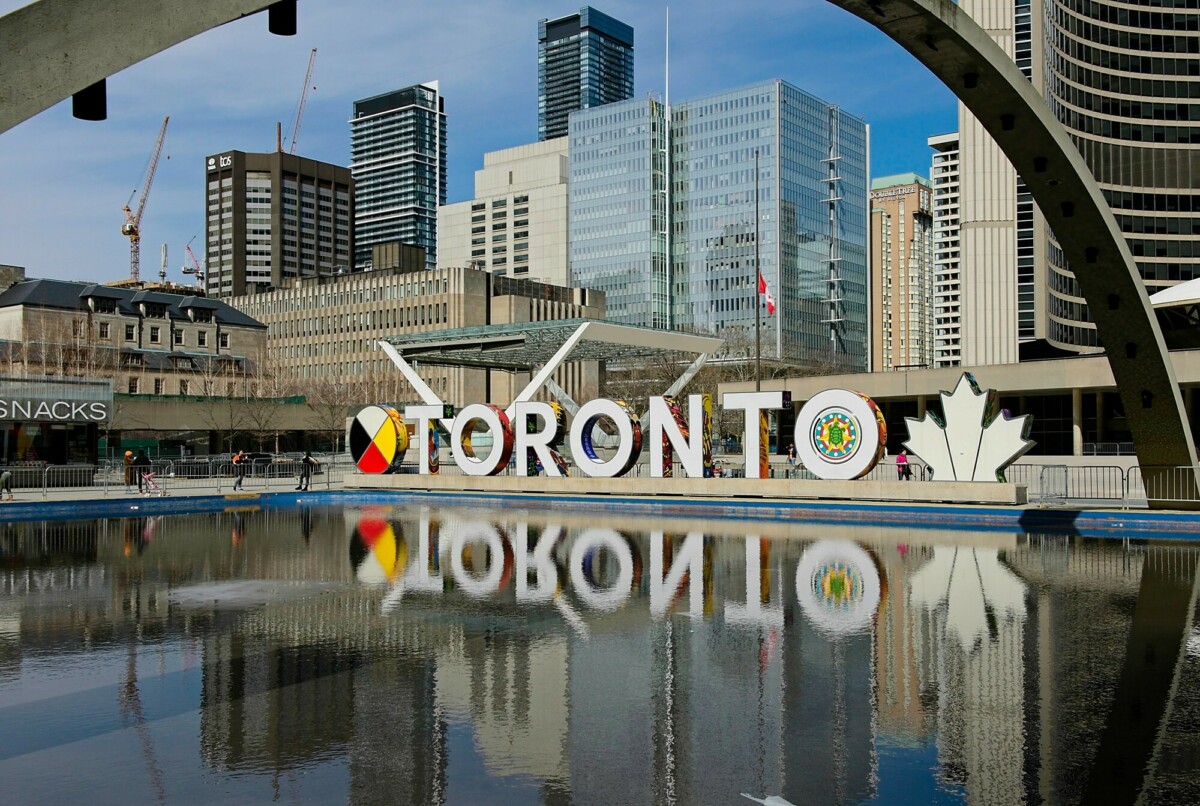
column 398, row 158
column 672, row 242
column 901, row 273
column 1124, row 82
column 584, row 60
column 947, row 313
column 274, row 217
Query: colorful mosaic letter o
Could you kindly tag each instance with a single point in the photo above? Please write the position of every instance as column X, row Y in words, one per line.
column 378, row 554
column 840, row 434
column 378, row 439
column 838, row 586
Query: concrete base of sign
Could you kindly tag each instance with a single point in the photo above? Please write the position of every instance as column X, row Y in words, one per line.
column 955, row 492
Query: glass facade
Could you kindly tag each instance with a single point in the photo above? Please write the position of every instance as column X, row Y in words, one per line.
column 398, row 160
column 812, row 218
column 584, row 60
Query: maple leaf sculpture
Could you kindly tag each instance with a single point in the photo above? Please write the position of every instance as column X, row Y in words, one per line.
column 976, row 441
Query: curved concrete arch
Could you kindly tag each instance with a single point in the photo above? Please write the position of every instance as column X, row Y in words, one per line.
column 957, row 51
column 56, row 48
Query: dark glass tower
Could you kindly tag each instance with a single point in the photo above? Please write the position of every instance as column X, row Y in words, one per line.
column 398, row 159
column 584, row 60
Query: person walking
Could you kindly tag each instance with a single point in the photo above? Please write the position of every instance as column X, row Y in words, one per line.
column 793, row 459
column 129, row 471
column 141, row 466
column 6, row 484
column 239, row 470
column 903, row 471
column 308, row 465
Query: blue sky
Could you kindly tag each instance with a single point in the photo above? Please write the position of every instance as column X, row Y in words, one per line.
column 63, row 182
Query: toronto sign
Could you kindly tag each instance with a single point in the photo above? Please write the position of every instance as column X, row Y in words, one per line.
column 839, row 435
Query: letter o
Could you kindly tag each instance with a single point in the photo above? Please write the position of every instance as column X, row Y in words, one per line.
column 497, row 423
column 838, row 586
column 840, row 434
column 477, row 532
column 629, row 438
column 609, row 598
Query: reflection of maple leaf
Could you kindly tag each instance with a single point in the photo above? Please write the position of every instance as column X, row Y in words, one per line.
column 975, row 443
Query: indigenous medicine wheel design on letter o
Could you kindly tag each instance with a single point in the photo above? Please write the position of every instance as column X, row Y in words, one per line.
column 378, row 439
column 840, row 434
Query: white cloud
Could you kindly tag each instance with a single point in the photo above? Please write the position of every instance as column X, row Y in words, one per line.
column 63, row 182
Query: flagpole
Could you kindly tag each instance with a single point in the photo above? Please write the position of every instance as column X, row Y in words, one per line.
column 757, row 283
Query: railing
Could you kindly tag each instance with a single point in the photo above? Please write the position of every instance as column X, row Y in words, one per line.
column 215, row 473
column 1108, row 449
column 1047, row 484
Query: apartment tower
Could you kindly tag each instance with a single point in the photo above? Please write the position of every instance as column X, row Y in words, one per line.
column 584, row 60
column 398, row 159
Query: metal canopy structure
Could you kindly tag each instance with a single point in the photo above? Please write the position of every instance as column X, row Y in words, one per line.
column 527, row 346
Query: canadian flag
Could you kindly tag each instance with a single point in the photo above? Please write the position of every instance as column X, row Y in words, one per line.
column 765, row 292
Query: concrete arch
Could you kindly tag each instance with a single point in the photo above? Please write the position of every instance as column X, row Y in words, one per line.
column 56, row 48
column 957, row 51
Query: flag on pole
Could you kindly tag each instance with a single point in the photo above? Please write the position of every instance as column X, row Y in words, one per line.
column 765, row 292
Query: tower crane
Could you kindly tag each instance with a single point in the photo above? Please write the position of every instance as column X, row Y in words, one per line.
column 194, row 268
column 312, row 57
column 132, row 228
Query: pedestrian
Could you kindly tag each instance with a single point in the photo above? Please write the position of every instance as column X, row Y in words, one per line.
column 129, row 472
column 307, row 466
column 239, row 470
column 793, row 459
column 6, row 484
column 903, row 471
column 141, row 465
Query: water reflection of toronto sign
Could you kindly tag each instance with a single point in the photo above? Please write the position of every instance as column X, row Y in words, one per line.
column 837, row 582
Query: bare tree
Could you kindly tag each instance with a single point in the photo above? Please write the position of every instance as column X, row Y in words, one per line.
column 331, row 401
column 268, row 385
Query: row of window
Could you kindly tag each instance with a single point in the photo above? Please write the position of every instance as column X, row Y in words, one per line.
column 154, row 334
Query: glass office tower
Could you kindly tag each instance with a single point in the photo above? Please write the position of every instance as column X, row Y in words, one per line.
column 584, row 60
column 812, row 218
column 398, row 160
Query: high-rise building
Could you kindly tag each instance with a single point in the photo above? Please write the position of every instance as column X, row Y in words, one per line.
column 1124, row 83
column 901, row 273
column 517, row 223
column 672, row 243
column 398, row 158
column 584, row 60
column 947, row 304
column 274, row 217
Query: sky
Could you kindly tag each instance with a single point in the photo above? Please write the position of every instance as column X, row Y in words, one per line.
column 64, row 182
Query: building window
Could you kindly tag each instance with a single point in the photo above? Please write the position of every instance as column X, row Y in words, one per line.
column 183, row 387
column 129, row 333
column 155, row 335
column 159, row 385
column 224, row 341
column 105, row 330
column 133, row 386
column 202, row 338
column 178, row 338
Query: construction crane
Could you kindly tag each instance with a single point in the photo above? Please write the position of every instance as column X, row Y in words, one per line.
column 132, row 228
column 312, row 58
column 194, row 268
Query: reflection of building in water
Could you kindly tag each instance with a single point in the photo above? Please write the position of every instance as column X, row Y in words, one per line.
column 512, row 684
column 969, row 617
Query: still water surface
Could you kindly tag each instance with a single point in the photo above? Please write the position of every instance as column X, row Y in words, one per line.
column 417, row 655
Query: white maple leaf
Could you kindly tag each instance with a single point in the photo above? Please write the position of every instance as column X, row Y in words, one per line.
column 976, row 442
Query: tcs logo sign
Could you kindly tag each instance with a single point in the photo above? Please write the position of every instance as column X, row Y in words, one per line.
column 224, row 161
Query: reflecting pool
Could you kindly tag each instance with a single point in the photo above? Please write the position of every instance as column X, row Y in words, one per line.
column 419, row 655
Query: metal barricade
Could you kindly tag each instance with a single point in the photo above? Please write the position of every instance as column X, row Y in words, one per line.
column 1167, row 484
